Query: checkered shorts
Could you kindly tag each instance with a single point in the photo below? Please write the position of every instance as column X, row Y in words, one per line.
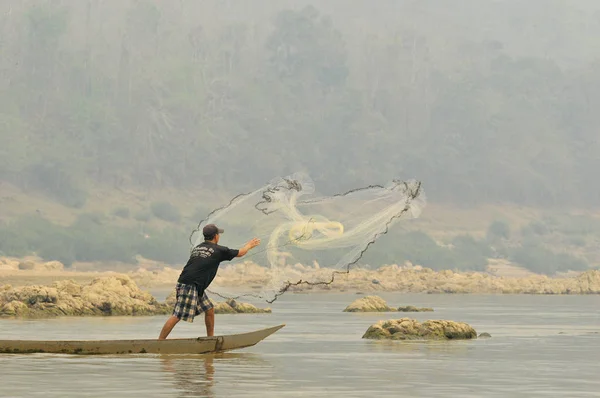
column 188, row 303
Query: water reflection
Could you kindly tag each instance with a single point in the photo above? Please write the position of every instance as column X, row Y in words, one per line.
column 195, row 375
column 455, row 348
column 191, row 377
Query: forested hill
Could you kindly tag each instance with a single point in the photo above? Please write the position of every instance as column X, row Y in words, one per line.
column 483, row 101
column 123, row 122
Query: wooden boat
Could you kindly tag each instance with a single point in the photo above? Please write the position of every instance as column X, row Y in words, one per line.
column 199, row 345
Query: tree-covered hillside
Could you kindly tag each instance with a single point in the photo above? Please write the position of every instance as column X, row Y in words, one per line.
column 483, row 101
column 221, row 95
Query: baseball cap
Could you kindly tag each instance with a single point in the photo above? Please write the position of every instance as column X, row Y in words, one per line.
column 209, row 231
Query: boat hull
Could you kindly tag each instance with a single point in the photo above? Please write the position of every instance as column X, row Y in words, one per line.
column 200, row 345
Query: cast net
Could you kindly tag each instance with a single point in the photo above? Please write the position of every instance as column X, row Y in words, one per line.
column 306, row 238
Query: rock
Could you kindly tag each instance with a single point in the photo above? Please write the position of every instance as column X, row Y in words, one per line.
column 70, row 287
column 103, row 296
column 31, row 264
column 8, row 264
column 228, row 307
column 300, row 267
column 411, row 308
column 232, row 303
column 14, row 308
column 588, row 282
column 224, row 308
column 485, row 335
column 239, row 308
column 411, row 279
column 410, row 329
column 377, row 304
column 50, row 266
column 171, row 298
column 368, row 304
column 119, row 295
column 146, row 278
column 26, row 265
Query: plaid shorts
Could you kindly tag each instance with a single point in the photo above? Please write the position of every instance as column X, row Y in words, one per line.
column 188, row 303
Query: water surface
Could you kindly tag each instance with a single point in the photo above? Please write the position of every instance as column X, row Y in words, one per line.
column 541, row 346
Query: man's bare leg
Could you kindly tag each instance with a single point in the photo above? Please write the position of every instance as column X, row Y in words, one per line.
column 209, row 320
column 169, row 325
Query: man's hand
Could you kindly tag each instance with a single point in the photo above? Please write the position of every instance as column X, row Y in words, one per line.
column 253, row 243
column 250, row 245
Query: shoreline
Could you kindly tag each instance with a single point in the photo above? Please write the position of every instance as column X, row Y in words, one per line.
column 245, row 277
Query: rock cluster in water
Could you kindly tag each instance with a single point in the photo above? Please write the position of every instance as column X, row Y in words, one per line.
column 410, row 308
column 117, row 295
column 377, row 304
column 229, row 306
column 410, row 329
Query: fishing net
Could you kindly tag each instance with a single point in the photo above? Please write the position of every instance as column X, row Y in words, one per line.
column 306, row 238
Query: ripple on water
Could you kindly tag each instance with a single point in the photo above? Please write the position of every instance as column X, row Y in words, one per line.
column 541, row 346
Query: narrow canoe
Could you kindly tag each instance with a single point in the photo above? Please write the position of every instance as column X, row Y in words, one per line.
column 199, row 345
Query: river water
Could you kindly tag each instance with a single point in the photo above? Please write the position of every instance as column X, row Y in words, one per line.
column 541, row 346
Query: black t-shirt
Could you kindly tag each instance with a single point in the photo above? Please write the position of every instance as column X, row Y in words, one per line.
column 203, row 264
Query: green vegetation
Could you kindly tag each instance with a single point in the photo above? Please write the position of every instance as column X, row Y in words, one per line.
column 498, row 230
column 122, row 212
column 90, row 238
column 541, row 260
column 169, row 100
column 533, row 248
column 143, row 216
column 544, row 244
column 463, row 253
column 165, row 211
column 53, row 179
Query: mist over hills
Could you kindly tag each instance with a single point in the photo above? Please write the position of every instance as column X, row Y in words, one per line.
column 485, row 102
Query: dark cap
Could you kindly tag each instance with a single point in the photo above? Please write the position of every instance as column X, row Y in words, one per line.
column 209, row 231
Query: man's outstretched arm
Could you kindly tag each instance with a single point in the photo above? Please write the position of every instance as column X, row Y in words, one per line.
column 250, row 245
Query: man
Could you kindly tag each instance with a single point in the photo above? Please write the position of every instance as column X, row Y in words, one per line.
column 197, row 274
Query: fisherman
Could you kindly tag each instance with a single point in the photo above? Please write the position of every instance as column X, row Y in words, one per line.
column 197, row 275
